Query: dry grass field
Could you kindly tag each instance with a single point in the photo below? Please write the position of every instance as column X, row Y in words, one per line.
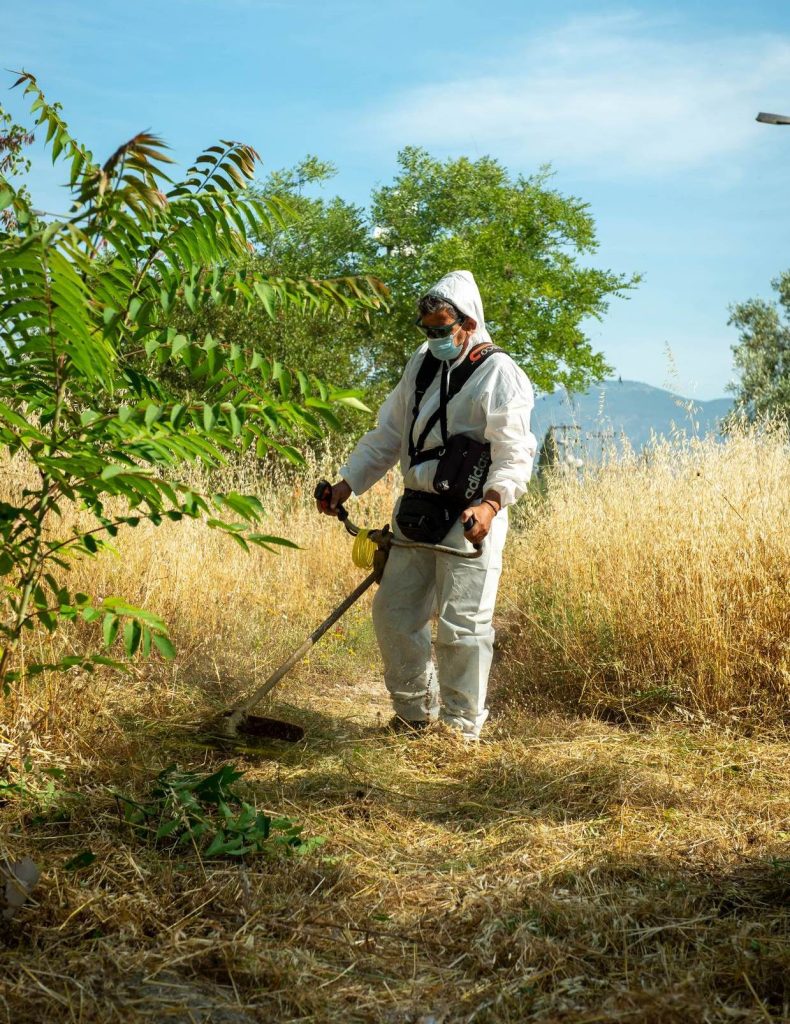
column 665, row 582
column 616, row 849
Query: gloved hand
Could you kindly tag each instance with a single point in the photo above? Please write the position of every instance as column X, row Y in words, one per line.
column 341, row 492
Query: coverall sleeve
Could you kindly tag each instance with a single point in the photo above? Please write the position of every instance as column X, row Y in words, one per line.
column 379, row 449
column 513, row 446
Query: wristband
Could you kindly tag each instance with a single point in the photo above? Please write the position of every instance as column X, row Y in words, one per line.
column 493, row 506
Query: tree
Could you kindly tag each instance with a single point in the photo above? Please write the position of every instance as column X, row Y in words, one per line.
column 13, row 139
column 106, row 398
column 523, row 241
column 762, row 354
column 321, row 238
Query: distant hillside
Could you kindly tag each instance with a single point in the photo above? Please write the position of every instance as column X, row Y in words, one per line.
column 625, row 407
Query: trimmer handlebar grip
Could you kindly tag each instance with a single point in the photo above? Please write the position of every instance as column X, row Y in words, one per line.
column 323, row 495
column 469, row 524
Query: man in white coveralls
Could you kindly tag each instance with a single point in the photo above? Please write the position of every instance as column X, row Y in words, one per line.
column 475, row 443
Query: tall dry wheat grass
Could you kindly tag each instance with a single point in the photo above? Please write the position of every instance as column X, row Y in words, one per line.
column 232, row 615
column 661, row 578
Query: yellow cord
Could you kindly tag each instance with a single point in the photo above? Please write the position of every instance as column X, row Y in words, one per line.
column 363, row 550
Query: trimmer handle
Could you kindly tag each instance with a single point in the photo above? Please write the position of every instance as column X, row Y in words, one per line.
column 323, row 495
column 469, row 524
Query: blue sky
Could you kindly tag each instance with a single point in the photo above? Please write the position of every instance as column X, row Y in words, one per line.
column 646, row 111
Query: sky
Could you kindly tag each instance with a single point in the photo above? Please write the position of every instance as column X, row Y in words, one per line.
column 646, row 111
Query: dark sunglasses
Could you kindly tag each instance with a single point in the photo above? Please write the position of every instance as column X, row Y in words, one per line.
column 437, row 332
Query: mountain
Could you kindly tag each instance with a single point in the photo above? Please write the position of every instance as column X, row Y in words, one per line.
column 623, row 407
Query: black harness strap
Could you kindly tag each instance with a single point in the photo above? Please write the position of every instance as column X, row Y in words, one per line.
column 425, row 375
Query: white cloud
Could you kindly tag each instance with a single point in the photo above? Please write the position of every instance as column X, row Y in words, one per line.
column 618, row 96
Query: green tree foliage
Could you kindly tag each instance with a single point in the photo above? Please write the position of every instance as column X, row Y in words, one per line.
column 13, row 140
column 202, row 812
column 523, row 241
column 762, row 354
column 321, row 239
column 106, row 398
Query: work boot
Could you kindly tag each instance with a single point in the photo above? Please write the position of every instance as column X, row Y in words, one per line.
column 403, row 726
column 451, row 733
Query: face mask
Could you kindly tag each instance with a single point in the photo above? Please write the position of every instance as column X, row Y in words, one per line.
column 443, row 348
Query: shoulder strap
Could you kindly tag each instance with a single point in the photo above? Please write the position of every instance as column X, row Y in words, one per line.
column 425, row 374
column 476, row 358
column 478, row 355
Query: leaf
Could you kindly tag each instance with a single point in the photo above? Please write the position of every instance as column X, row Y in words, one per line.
column 152, row 414
column 99, row 659
column 217, row 845
column 267, row 295
column 27, row 429
column 6, row 563
column 164, row 645
column 121, row 607
column 265, row 538
column 132, row 633
column 179, row 342
column 167, row 828
column 50, row 623
column 110, row 627
column 82, row 860
column 352, row 403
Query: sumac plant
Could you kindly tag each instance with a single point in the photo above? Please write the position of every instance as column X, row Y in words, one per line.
column 105, row 399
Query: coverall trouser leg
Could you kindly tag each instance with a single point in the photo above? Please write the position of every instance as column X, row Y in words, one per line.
column 416, row 583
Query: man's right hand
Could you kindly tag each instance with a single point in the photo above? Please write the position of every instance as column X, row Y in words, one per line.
column 341, row 492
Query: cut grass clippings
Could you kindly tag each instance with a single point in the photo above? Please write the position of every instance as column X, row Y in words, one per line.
column 565, row 870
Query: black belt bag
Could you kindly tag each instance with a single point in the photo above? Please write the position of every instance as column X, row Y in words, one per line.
column 426, row 517
column 460, row 474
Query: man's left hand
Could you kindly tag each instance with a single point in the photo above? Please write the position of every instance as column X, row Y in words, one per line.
column 483, row 514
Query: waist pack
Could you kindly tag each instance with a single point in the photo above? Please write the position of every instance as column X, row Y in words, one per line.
column 460, row 474
column 426, row 517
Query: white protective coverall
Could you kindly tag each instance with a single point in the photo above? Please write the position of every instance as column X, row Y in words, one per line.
column 494, row 405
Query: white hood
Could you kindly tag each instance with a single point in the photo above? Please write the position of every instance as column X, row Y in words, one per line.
column 460, row 288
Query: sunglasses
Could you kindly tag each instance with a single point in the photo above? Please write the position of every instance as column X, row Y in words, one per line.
column 437, row 332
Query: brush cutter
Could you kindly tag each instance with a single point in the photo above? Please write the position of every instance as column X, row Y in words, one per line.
column 371, row 550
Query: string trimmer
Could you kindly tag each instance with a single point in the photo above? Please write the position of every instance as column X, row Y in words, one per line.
column 371, row 550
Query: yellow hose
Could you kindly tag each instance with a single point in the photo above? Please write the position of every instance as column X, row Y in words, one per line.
column 363, row 550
